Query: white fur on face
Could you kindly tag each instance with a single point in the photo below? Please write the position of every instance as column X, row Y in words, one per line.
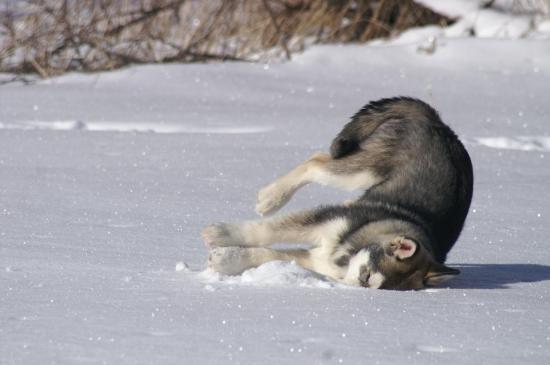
column 356, row 264
column 359, row 260
column 376, row 280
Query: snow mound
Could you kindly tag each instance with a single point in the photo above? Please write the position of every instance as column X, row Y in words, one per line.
column 274, row 273
column 521, row 143
column 182, row 266
column 474, row 19
column 492, row 24
column 452, row 8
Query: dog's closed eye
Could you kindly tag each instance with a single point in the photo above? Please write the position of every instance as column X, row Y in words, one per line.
column 364, row 276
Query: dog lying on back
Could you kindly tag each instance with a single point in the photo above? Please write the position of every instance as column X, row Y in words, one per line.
column 418, row 180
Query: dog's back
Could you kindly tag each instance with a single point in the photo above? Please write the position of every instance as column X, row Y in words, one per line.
column 424, row 167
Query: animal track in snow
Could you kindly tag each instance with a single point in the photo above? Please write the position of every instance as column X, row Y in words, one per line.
column 432, row 349
column 522, row 143
column 144, row 127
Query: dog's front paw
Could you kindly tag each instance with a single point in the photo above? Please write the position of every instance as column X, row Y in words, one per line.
column 228, row 260
column 220, row 234
column 271, row 198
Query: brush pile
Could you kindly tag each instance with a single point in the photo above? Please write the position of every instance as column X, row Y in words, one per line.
column 50, row 37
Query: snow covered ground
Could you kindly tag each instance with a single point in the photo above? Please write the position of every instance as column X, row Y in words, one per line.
column 107, row 179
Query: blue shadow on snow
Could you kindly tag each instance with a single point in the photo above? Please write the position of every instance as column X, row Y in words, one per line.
column 497, row 276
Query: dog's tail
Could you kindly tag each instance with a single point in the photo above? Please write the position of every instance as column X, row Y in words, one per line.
column 374, row 114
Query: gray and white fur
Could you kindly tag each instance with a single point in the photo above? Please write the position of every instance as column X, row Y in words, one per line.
column 418, row 184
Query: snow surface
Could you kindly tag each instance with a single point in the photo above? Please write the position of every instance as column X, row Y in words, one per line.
column 453, row 8
column 107, row 179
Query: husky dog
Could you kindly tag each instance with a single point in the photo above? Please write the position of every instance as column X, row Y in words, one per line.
column 418, row 184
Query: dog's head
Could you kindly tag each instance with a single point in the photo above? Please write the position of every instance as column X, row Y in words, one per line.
column 398, row 263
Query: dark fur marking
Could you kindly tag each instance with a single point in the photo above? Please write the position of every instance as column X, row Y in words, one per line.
column 342, row 261
column 364, row 275
column 376, row 254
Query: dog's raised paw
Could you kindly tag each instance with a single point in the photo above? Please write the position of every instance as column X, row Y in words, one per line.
column 210, row 235
column 271, row 198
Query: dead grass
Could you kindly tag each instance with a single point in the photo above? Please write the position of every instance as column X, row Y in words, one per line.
column 51, row 37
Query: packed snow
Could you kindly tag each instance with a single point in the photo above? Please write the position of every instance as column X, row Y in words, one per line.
column 108, row 178
column 276, row 273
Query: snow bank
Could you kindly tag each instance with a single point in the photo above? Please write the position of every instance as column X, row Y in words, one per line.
column 473, row 19
column 452, row 8
column 489, row 23
column 276, row 273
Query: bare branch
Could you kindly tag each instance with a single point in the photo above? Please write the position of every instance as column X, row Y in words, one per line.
column 282, row 38
column 49, row 37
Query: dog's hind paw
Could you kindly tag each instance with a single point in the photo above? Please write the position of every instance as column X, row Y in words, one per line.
column 220, row 234
column 272, row 198
column 228, row 260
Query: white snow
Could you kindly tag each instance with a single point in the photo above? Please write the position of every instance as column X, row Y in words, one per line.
column 501, row 20
column 107, row 180
column 493, row 24
column 115, row 126
column 182, row 266
column 522, row 143
column 276, row 273
column 452, row 8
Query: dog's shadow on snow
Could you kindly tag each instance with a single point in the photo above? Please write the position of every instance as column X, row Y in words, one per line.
column 497, row 276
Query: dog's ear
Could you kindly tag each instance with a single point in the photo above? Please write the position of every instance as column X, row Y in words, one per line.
column 403, row 248
column 439, row 273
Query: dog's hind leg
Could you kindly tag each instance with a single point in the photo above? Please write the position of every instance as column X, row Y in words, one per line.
column 257, row 233
column 237, row 247
column 348, row 173
column 275, row 195
column 313, row 227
